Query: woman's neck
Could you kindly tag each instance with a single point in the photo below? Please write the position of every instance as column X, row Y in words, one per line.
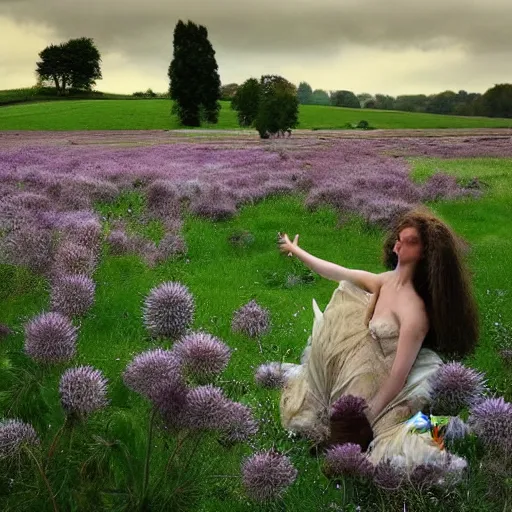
column 404, row 274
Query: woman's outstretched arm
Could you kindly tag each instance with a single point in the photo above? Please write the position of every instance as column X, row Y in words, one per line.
column 365, row 280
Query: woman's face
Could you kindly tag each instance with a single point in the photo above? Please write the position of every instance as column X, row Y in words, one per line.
column 408, row 247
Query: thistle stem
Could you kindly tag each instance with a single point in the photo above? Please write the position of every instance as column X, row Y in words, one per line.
column 71, row 430
column 179, row 444
column 192, row 453
column 222, row 476
column 45, row 479
column 57, row 437
column 148, row 457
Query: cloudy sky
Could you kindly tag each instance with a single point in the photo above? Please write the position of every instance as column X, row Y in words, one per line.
column 375, row 46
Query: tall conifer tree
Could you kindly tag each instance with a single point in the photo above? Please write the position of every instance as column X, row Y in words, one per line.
column 194, row 77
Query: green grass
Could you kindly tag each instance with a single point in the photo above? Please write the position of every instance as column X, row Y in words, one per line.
column 324, row 117
column 485, row 223
column 222, row 278
column 146, row 114
column 45, row 94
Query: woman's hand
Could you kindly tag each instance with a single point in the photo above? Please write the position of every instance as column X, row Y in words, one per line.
column 285, row 245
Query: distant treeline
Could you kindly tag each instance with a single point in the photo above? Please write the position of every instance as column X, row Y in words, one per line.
column 72, row 68
column 495, row 102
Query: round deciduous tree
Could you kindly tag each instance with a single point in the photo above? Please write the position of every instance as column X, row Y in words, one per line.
column 305, row 94
column 246, row 102
column 278, row 110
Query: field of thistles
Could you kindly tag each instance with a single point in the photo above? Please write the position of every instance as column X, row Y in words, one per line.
column 146, row 313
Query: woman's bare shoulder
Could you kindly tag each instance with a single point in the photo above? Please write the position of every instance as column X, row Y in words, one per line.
column 385, row 276
column 412, row 306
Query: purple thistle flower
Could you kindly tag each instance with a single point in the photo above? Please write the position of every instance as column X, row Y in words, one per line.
column 347, row 459
column 348, row 406
column 337, row 196
column 93, row 188
column 506, row 355
column 169, row 310
column 50, row 338
column 14, row 434
column 72, row 258
column 31, row 201
column 118, row 242
column 251, row 319
column 139, row 244
column 439, row 186
column 214, row 204
column 387, row 476
column 69, row 221
column 371, row 167
column 169, row 396
column 151, row 258
column 454, row 464
column 454, row 387
column 444, row 471
column 497, row 470
column 172, row 226
column 30, row 247
column 149, row 253
column 77, row 192
column 86, row 233
column 456, row 429
column 425, row 476
column 206, row 408
column 240, row 423
column 72, row 295
column 145, row 248
column 170, row 246
column 278, row 187
column 348, row 422
column 68, row 196
column 491, row 421
column 163, row 199
column 83, row 390
column 189, row 189
column 149, row 369
column 270, row 375
column 202, row 355
column 384, row 212
column 13, row 217
column 4, row 331
column 267, row 475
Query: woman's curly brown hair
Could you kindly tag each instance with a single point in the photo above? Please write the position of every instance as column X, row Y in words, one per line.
column 443, row 281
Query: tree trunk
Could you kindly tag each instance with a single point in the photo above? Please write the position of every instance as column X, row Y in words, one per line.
column 57, row 85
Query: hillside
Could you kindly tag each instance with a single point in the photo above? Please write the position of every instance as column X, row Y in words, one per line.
column 144, row 114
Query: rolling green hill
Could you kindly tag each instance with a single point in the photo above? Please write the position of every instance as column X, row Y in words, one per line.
column 143, row 114
column 38, row 94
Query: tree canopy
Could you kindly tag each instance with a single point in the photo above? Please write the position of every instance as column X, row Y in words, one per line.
column 278, row 110
column 74, row 64
column 193, row 75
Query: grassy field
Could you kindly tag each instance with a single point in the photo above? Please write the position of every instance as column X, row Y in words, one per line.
column 155, row 114
column 222, row 278
column 485, row 224
column 39, row 94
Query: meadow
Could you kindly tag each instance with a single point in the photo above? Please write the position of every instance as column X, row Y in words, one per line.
column 220, row 201
column 144, row 114
column 38, row 94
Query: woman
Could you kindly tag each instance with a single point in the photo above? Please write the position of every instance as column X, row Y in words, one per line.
column 378, row 337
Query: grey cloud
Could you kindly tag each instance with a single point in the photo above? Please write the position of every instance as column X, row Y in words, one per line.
column 144, row 28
